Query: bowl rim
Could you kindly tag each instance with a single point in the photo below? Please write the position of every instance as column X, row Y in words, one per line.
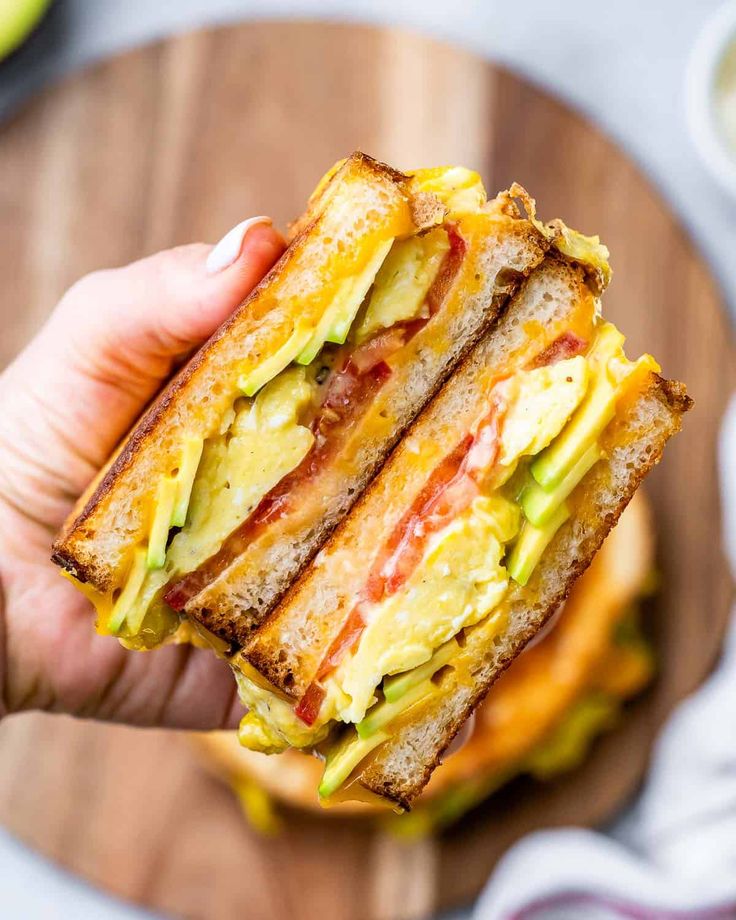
column 706, row 56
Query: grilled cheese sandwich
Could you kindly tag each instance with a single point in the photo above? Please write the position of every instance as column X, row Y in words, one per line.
column 406, row 305
column 270, row 433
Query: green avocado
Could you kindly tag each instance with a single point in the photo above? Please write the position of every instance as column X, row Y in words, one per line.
column 402, row 284
column 568, row 744
column 127, row 598
column 382, row 714
column 395, row 687
column 260, row 375
column 557, row 461
column 586, row 425
column 345, row 758
column 321, row 333
column 148, row 623
column 539, row 504
column 190, row 456
column 531, row 543
column 337, row 319
column 18, row 18
column 162, row 516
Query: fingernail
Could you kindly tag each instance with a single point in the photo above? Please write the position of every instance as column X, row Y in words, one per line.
column 231, row 245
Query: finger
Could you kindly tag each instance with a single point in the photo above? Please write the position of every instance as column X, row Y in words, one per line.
column 55, row 661
column 179, row 687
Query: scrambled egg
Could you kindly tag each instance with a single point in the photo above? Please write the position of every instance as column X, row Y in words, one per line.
column 270, row 725
column 263, row 443
column 403, row 281
column 259, row 443
column 461, row 579
column 458, row 583
column 587, row 249
column 540, row 402
column 459, row 189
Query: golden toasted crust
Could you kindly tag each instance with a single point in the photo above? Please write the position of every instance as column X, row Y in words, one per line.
column 321, row 195
column 404, row 764
column 112, row 513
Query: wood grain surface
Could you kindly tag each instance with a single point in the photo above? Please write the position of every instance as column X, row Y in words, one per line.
column 179, row 141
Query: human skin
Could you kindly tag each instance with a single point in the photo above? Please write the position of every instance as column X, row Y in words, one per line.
column 65, row 402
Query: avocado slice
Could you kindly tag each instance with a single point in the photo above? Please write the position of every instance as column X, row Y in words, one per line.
column 252, row 382
column 566, row 747
column 335, row 322
column 319, row 337
column 395, row 687
column 382, row 714
column 539, row 505
column 18, row 19
column 191, row 455
column 128, row 595
column 402, row 284
column 343, row 318
column 531, row 543
column 149, row 620
column 586, row 425
column 345, row 758
column 159, row 534
column 557, row 461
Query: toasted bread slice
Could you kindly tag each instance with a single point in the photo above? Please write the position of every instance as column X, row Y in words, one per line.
column 403, row 765
column 367, row 203
column 501, row 248
column 291, row 644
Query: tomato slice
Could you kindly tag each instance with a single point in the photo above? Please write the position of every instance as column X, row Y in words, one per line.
column 486, row 446
column 452, row 486
column 309, row 705
column 345, row 640
column 366, row 356
column 566, row 346
column 449, row 268
column 447, row 492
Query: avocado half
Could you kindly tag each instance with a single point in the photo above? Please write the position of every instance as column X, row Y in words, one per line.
column 18, row 18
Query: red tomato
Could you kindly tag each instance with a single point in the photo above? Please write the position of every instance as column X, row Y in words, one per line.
column 566, row 346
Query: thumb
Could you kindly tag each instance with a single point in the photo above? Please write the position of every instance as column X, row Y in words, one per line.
column 111, row 342
column 128, row 326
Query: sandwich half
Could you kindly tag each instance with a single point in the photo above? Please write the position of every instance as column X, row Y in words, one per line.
column 466, row 542
column 247, row 460
column 541, row 716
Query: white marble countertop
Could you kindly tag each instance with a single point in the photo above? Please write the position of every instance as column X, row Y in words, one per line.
column 622, row 63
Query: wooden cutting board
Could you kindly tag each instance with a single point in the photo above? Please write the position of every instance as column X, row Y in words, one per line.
column 179, row 141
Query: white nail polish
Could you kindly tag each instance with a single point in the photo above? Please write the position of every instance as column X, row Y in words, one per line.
column 230, row 246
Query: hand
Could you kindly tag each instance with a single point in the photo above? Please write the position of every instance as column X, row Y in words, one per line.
column 65, row 402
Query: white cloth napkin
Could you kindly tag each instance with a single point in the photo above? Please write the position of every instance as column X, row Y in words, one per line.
column 674, row 854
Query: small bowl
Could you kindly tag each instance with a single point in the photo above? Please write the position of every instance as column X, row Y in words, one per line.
column 712, row 64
